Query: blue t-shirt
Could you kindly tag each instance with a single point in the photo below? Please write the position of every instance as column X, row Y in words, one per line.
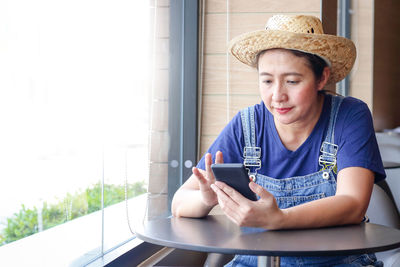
column 354, row 135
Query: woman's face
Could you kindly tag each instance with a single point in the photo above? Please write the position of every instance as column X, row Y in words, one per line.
column 288, row 87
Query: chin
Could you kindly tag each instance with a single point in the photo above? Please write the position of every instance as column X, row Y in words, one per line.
column 283, row 119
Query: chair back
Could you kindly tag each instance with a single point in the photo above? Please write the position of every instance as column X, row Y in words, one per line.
column 383, row 210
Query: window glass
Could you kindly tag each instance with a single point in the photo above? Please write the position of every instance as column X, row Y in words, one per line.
column 74, row 112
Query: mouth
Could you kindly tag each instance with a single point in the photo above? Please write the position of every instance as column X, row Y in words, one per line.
column 283, row 110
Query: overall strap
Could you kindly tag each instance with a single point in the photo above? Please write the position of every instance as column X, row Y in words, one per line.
column 251, row 153
column 329, row 149
column 247, row 116
column 330, row 135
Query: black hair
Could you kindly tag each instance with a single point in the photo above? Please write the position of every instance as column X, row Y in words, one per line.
column 316, row 63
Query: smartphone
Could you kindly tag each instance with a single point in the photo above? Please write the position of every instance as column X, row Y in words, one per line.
column 235, row 175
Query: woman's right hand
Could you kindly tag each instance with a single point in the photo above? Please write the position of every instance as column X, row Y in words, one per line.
column 206, row 179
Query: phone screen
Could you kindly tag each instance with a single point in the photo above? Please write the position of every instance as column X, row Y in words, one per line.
column 235, row 175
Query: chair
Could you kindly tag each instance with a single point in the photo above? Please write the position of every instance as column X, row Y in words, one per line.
column 383, row 210
column 385, row 201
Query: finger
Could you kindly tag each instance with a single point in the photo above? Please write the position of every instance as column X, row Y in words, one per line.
column 223, row 199
column 221, row 193
column 232, row 214
column 233, row 195
column 200, row 177
column 260, row 191
column 209, row 173
column 228, row 206
column 208, row 159
column 219, row 157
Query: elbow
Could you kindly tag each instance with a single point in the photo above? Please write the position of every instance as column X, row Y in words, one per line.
column 175, row 212
column 353, row 209
column 357, row 214
column 177, row 209
column 174, row 208
column 357, row 218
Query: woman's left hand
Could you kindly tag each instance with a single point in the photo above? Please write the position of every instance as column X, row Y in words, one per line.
column 263, row 213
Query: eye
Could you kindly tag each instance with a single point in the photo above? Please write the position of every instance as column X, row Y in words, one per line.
column 292, row 82
column 267, row 81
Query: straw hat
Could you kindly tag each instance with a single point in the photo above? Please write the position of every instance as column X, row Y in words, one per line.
column 302, row 33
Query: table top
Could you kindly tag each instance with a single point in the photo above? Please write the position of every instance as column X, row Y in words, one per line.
column 218, row 234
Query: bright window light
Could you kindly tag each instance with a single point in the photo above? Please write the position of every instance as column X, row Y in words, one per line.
column 74, row 85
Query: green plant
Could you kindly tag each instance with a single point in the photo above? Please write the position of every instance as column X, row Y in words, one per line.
column 23, row 223
column 73, row 205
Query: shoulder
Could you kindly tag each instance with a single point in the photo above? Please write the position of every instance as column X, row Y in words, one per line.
column 354, row 112
column 236, row 122
column 353, row 105
column 354, row 122
column 356, row 138
column 258, row 108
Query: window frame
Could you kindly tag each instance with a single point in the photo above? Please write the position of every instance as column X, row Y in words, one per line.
column 183, row 92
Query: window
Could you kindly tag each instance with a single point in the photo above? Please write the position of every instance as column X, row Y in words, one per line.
column 93, row 105
column 74, row 109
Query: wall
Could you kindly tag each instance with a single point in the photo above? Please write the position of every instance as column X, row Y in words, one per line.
column 227, row 84
column 374, row 30
column 362, row 34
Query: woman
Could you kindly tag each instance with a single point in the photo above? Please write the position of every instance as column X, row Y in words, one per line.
column 319, row 156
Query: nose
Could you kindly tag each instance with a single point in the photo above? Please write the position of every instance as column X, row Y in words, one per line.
column 279, row 93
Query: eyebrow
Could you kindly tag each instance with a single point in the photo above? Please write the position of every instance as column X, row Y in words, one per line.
column 284, row 74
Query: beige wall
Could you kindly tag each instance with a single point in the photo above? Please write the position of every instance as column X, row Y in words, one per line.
column 362, row 34
column 228, row 85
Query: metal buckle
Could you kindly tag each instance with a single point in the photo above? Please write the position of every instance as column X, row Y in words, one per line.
column 252, row 163
column 325, row 148
column 252, row 155
column 252, row 152
column 326, row 160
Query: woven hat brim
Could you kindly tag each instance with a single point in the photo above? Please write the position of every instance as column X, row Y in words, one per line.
column 340, row 51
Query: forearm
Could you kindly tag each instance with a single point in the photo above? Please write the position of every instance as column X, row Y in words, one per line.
column 330, row 211
column 188, row 203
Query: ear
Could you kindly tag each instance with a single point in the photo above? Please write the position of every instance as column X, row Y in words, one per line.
column 324, row 78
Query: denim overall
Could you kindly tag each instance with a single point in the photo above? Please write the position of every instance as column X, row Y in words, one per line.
column 294, row 191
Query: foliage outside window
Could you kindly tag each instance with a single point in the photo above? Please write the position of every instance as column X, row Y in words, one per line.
column 26, row 221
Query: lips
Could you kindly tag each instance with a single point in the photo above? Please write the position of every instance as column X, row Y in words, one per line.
column 283, row 110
